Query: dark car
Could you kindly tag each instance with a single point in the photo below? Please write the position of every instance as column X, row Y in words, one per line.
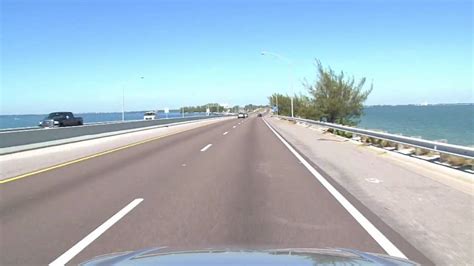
column 161, row 256
column 61, row 119
column 259, row 115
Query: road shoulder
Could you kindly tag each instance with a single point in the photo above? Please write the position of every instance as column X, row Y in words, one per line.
column 410, row 199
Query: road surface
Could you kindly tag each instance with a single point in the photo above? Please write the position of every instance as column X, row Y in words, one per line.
column 228, row 184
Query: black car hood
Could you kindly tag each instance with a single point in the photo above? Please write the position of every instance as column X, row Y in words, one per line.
column 301, row 256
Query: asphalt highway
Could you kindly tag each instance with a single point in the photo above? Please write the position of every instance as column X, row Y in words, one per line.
column 232, row 184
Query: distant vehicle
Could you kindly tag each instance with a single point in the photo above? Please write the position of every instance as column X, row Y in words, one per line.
column 302, row 256
column 150, row 116
column 259, row 115
column 241, row 115
column 246, row 115
column 61, row 119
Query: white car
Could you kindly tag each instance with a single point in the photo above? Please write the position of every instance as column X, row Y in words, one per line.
column 150, row 116
column 242, row 115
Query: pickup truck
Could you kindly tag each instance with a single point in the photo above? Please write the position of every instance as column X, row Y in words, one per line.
column 61, row 119
column 151, row 115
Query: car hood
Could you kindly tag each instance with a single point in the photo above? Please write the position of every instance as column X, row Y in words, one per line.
column 301, row 256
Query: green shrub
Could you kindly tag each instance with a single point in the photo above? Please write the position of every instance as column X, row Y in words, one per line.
column 456, row 160
column 420, row 151
column 384, row 143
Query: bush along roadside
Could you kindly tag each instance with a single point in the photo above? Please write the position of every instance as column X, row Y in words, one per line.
column 450, row 160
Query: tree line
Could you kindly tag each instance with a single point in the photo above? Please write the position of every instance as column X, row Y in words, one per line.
column 333, row 97
column 252, row 107
column 215, row 107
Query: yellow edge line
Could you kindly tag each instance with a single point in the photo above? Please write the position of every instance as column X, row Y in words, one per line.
column 88, row 157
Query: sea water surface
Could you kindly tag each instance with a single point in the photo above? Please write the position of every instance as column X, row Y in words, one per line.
column 452, row 123
column 15, row 121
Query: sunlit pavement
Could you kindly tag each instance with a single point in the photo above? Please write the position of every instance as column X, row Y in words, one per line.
column 197, row 189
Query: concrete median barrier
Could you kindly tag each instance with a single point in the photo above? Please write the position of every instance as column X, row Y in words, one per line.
column 27, row 137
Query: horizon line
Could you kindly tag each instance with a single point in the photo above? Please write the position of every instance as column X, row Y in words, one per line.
column 176, row 109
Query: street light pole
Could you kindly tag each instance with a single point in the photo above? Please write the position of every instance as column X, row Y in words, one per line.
column 278, row 111
column 292, row 106
column 290, row 71
column 123, row 102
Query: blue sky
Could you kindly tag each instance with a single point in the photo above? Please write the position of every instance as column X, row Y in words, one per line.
column 78, row 55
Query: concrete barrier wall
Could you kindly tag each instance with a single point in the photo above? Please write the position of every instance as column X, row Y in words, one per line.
column 25, row 137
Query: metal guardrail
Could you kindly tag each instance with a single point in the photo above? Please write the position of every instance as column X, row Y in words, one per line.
column 444, row 148
column 32, row 136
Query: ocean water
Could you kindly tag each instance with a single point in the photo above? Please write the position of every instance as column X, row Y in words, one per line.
column 453, row 123
column 14, row 121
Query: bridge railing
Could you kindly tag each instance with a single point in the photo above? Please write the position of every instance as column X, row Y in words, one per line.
column 444, row 148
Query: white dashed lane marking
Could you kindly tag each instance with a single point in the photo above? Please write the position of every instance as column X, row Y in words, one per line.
column 206, row 147
column 72, row 252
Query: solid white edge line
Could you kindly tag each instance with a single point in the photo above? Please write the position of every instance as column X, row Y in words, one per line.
column 207, row 147
column 225, row 133
column 381, row 239
column 79, row 246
